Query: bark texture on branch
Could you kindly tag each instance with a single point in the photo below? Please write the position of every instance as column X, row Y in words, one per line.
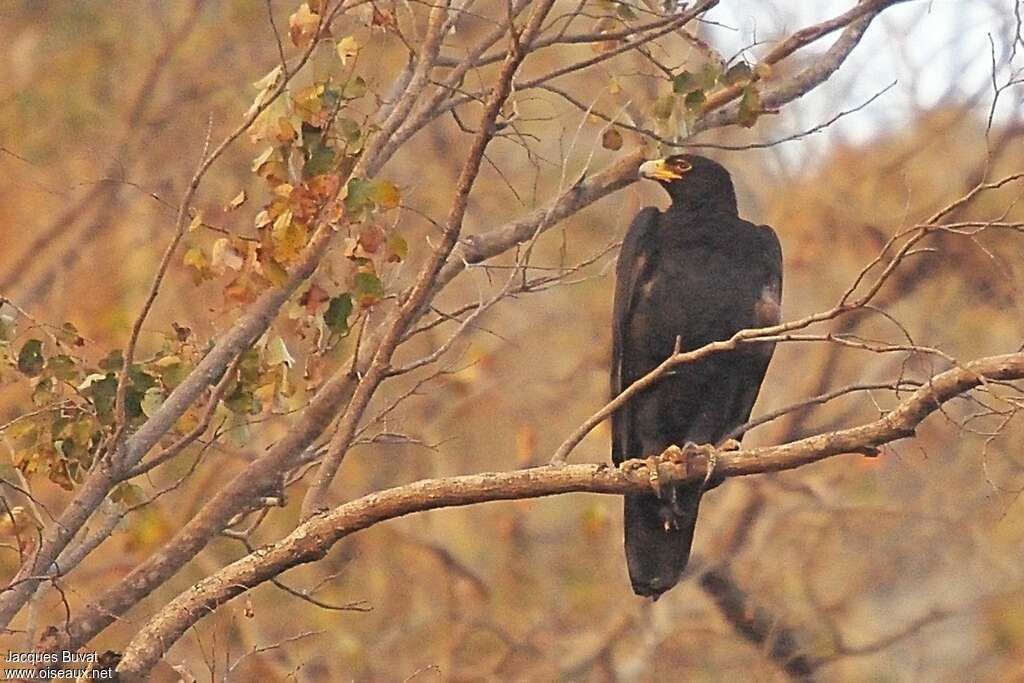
column 313, row 539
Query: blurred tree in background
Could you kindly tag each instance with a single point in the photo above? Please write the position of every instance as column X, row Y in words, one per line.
column 266, row 264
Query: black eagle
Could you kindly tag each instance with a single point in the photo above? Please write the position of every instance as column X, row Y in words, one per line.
column 696, row 272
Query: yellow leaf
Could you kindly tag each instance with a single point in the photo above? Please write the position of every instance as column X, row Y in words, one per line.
column 262, row 218
column 386, row 194
column 196, row 260
column 197, row 221
column 224, row 256
column 277, row 353
column 348, row 48
column 265, row 86
column 168, row 361
column 236, row 201
column 281, row 223
column 263, row 158
column 302, row 26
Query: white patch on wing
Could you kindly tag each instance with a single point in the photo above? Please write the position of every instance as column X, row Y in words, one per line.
column 767, row 310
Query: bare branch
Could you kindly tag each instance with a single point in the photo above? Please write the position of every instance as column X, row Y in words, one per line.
column 311, row 540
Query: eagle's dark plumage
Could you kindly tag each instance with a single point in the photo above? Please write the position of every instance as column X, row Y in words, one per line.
column 699, row 273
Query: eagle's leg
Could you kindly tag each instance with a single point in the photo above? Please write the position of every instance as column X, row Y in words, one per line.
column 681, row 456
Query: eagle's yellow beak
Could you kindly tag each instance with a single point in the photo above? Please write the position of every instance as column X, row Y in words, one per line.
column 658, row 169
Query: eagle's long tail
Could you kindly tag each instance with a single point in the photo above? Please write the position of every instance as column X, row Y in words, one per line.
column 659, row 532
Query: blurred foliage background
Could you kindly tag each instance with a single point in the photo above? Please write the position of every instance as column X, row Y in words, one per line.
column 904, row 567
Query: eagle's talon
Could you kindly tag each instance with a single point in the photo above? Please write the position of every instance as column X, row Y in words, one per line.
column 712, row 463
column 654, row 477
column 674, row 454
column 730, row 445
column 632, row 465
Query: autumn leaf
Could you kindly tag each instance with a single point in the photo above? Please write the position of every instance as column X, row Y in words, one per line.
column 266, row 87
column 371, row 237
column 336, row 317
column 198, row 263
column 69, row 335
column 386, row 194
column 224, row 256
column 354, row 88
column 197, row 222
column 348, row 48
column 236, row 201
column 750, row 106
column 63, row 367
column 737, row 73
column 277, row 353
column 270, row 268
column 367, row 194
column 241, row 290
column 611, row 139
column 151, row 400
column 314, row 298
column 384, row 20
column 30, row 358
column 664, row 106
column 302, row 26
column 398, row 248
column 368, row 288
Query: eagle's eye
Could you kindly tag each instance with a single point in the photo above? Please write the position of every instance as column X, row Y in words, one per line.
column 678, row 165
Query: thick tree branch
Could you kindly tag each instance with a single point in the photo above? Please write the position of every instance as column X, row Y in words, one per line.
column 312, row 540
column 247, row 329
column 803, row 82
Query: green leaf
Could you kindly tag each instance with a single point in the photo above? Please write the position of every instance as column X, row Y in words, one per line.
column 113, row 361
column 354, row 88
column 172, row 371
column 398, row 248
column 626, row 12
column 30, row 358
column 101, row 392
column 63, row 367
column 368, row 288
column 359, row 197
column 249, row 370
column 336, row 317
column 69, row 335
column 242, row 401
column 694, row 100
column 365, row 195
column 348, row 129
column 737, row 73
column 750, row 107
column 385, row 194
column 277, row 353
column 709, row 74
column 128, row 495
column 664, row 106
column 684, row 82
column 319, row 160
column 151, row 400
column 43, row 392
column 141, row 380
